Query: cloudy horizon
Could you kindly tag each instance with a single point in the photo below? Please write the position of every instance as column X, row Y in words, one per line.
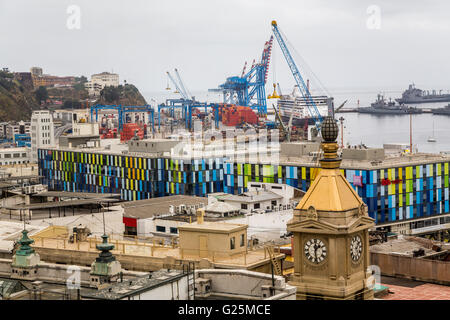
column 210, row 40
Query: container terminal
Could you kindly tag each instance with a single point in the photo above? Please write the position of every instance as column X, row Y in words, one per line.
column 193, row 195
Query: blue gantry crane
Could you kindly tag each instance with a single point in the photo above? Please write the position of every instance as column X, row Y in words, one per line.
column 312, row 108
column 249, row 88
column 122, row 111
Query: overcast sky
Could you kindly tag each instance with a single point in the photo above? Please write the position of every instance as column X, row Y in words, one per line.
column 211, row 39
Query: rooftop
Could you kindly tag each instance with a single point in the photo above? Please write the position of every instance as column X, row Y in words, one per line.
column 406, row 246
column 220, row 207
column 215, row 227
column 250, row 196
column 405, row 289
column 129, row 288
column 142, row 209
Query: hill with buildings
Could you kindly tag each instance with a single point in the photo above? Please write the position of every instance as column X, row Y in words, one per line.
column 126, row 94
column 16, row 99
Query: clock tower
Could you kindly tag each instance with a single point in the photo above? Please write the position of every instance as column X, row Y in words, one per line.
column 330, row 227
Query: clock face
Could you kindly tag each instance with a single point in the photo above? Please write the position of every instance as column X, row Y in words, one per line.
column 356, row 248
column 315, row 250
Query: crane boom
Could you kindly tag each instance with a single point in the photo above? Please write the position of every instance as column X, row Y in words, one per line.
column 315, row 114
column 183, row 94
column 186, row 92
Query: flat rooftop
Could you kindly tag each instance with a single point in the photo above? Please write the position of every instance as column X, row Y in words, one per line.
column 405, row 289
column 122, row 290
column 388, row 162
column 60, row 204
column 142, row 209
column 406, row 246
column 80, row 195
column 220, row 227
column 250, row 196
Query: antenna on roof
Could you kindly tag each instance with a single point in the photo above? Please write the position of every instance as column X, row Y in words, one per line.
column 104, row 227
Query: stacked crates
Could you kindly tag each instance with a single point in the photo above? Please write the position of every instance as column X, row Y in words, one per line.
column 128, row 132
column 233, row 115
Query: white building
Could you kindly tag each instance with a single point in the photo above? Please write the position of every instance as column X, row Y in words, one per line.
column 10, row 156
column 69, row 116
column 101, row 80
column 21, row 127
column 42, row 132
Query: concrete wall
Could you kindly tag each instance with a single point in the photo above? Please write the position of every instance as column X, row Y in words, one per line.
column 218, row 244
column 245, row 284
column 363, row 154
column 412, row 268
column 157, row 146
column 12, row 201
column 145, row 227
column 297, row 149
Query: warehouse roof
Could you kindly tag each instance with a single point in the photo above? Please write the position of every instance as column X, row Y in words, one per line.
column 142, row 209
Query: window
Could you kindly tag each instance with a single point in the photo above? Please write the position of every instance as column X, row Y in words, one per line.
column 173, row 230
column 243, row 206
column 257, row 206
column 242, row 240
column 160, row 229
column 232, row 243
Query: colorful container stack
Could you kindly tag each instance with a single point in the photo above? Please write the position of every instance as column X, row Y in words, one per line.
column 233, row 115
column 129, row 130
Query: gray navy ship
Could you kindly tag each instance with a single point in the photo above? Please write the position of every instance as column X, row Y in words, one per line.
column 444, row 111
column 414, row 95
column 383, row 107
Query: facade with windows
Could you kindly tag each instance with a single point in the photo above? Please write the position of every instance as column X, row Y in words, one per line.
column 398, row 193
column 42, row 132
column 392, row 194
column 134, row 177
column 12, row 156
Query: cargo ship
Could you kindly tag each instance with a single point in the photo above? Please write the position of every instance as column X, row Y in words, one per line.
column 383, row 107
column 297, row 104
column 414, row 95
column 443, row 111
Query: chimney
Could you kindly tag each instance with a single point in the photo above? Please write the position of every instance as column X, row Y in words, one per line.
column 200, row 215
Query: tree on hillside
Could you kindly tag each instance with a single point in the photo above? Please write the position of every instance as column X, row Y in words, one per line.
column 110, row 94
column 41, row 94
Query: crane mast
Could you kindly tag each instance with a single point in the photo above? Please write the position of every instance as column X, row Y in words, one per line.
column 186, row 92
column 183, row 94
column 312, row 108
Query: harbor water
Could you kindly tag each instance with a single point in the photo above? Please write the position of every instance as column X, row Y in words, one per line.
column 371, row 130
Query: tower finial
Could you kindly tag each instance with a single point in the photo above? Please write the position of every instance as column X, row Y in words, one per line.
column 330, row 131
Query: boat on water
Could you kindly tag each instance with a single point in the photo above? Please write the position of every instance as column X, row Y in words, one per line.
column 297, row 104
column 383, row 107
column 432, row 138
column 444, row 111
column 414, row 95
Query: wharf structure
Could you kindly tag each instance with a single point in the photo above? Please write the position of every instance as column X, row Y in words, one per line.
column 405, row 193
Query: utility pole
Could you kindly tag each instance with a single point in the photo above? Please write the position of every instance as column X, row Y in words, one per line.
column 341, row 119
column 410, row 133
